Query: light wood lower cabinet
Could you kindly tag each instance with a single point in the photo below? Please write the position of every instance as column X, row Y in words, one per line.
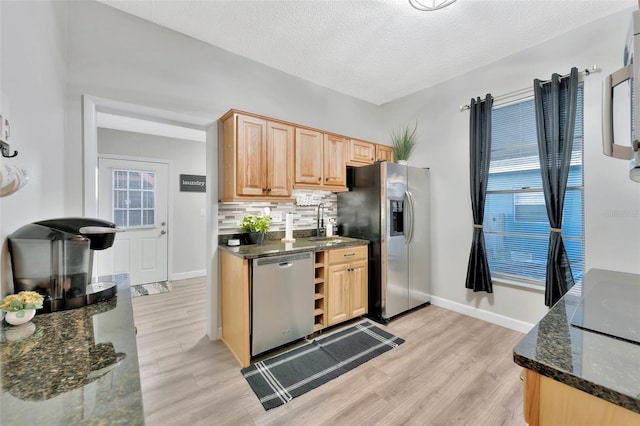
column 340, row 293
column 347, row 284
column 234, row 292
column 549, row 402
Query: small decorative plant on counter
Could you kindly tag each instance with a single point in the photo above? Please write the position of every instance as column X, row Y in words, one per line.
column 21, row 307
column 255, row 227
column 404, row 140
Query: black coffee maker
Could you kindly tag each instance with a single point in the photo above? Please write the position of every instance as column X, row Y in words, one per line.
column 55, row 258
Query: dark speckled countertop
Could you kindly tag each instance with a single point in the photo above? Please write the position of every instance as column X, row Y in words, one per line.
column 596, row 363
column 276, row 247
column 73, row 367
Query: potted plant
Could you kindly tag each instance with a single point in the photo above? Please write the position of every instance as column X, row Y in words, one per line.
column 255, row 227
column 404, row 140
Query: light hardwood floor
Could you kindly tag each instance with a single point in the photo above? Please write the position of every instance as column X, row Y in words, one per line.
column 452, row 369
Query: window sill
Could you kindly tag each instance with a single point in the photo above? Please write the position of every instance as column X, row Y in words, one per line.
column 518, row 284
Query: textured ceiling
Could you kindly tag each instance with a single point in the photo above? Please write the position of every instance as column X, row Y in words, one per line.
column 375, row 50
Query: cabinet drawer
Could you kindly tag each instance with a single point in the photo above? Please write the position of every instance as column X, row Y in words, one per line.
column 347, row 254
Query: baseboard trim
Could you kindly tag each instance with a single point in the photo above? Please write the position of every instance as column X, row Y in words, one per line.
column 501, row 320
column 187, row 275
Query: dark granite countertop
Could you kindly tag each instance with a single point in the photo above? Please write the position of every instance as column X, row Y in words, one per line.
column 596, row 363
column 73, row 367
column 277, row 248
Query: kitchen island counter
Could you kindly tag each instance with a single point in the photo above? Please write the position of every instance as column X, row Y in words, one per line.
column 595, row 363
column 78, row 366
column 301, row 245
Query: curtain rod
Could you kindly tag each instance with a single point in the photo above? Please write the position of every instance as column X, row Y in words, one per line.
column 518, row 94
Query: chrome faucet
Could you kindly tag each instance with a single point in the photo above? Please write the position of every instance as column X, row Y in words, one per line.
column 320, row 221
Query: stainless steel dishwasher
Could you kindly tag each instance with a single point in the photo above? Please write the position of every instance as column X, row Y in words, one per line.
column 282, row 300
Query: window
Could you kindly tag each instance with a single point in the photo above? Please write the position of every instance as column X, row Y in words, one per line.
column 134, row 198
column 515, row 220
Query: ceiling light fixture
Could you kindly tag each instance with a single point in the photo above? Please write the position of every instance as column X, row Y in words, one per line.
column 431, row 5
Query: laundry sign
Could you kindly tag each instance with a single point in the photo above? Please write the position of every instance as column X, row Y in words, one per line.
column 193, row 183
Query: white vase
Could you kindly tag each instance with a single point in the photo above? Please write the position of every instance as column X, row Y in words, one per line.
column 403, row 162
column 13, row 319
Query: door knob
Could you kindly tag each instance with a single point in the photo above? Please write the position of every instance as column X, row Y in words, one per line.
column 163, row 223
column 163, row 232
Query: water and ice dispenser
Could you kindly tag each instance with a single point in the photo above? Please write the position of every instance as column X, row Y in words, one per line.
column 55, row 258
column 396, row 217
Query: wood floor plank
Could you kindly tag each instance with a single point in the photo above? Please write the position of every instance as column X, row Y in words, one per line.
column 452, row 369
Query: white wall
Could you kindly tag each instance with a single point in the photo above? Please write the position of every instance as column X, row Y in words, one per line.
column 612, row 241
column 116, row 56
column 186, row 217
column 33, row 98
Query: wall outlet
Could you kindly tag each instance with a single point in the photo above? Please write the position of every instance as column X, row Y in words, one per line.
column 276, row 216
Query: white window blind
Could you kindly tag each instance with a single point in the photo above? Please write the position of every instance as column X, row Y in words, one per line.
column 516, row 226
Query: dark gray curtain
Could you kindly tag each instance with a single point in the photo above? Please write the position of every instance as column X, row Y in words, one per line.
column 478, row 275
column 556, row 102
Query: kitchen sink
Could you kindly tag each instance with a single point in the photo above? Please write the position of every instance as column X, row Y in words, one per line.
column 332, row 238
column 328, row 241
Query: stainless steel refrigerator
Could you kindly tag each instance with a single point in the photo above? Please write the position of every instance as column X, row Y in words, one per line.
column 388, row 204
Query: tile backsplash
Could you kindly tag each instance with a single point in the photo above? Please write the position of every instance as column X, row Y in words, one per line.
column 304, row 210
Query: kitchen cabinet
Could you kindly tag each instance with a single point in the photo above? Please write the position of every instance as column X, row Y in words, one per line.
column 235, row 313
column 309, row 160
column 361, row 152
column 319, row 267
column 548, row 402
column 346, row 284
column 257, row 158
column 320, row 160
column 349, row 296
column 335, row 161
column 384, row 153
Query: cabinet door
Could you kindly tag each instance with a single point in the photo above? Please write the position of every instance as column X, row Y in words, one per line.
column 384, row 153
column 279, row 159
column 358, row 272
column 251, row 167
column 335, row 160
column 361, row 152
column 309, row 157
column 337, row 298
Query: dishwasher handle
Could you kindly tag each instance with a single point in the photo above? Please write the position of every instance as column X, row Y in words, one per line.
column 285, row 265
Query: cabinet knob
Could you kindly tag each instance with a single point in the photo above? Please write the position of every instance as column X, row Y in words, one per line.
column 326, row 179
column 319, row 179
column 268, row 189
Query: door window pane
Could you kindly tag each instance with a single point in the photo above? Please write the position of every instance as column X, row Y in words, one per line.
column 133, row 198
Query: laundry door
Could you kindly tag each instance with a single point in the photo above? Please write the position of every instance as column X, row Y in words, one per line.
column 133, row 195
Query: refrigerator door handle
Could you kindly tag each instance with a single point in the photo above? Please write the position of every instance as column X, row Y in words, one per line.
column 409, row 211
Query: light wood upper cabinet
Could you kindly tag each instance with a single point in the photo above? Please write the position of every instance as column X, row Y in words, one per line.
column 265, row 159
column 320, row 160
column 279, row 159
column 251, row 145
column 257, row 158
column 309, row 147
column 384, row 153
column 361, row 152
column 347, row 284
column 335, row 160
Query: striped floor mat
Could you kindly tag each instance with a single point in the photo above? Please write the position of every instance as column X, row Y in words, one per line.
column 151, row 288
column 278, row 380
